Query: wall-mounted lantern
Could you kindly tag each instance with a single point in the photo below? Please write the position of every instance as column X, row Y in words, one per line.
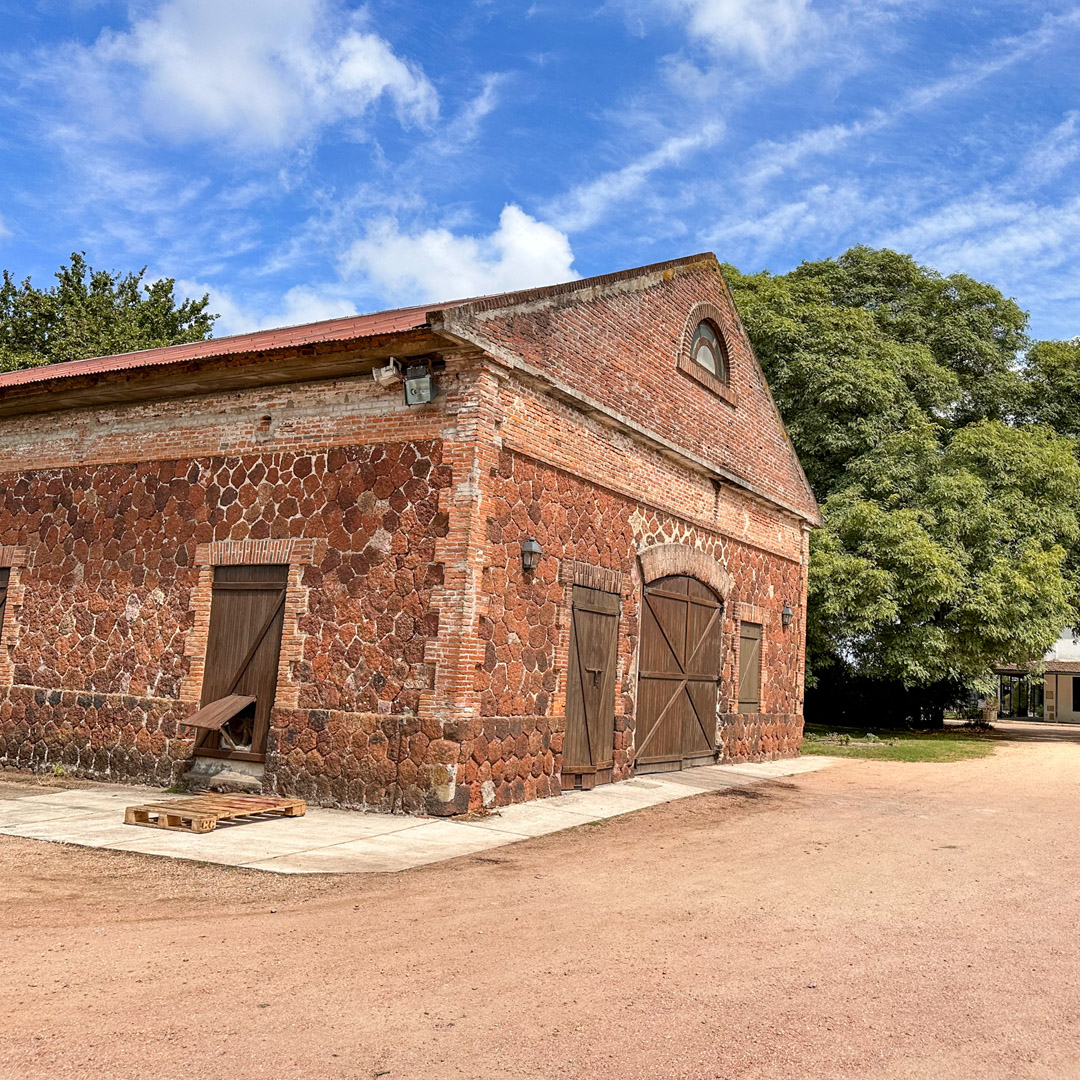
column 530, row 555
column 786, row 616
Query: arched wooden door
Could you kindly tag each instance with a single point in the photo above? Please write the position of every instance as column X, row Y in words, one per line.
column 678, row 675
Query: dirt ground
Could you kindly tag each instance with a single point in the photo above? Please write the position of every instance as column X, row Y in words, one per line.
column 871, row 920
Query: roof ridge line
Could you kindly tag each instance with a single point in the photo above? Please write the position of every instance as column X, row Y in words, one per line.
column 495, row 301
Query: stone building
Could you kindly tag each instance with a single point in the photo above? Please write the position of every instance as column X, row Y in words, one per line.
column 432, row 559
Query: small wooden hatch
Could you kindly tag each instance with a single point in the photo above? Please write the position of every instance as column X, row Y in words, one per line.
column 217, row 714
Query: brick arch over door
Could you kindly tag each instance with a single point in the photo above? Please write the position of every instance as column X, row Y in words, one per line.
column 666, row 560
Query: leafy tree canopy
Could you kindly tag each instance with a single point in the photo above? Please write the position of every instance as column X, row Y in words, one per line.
column 93, row 313
column 1053, row 373
column 951, row 520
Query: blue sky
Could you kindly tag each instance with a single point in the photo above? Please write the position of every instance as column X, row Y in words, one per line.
column 300, row 159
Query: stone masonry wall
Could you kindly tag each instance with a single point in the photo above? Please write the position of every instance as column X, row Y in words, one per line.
column 104, row 646
column 107, row 620
column 521, row 680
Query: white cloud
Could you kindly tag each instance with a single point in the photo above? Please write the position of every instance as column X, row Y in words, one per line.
column 759, row 29
column 436, row 264
column 778, row 36
column 256, row 72
column 390, row 266
column 585, row 205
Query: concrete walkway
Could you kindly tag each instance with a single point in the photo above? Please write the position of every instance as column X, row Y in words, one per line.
column 350, row 842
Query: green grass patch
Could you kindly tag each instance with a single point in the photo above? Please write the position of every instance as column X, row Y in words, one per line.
column 949, row 745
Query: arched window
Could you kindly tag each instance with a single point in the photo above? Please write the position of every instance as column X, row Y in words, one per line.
column 707, row 350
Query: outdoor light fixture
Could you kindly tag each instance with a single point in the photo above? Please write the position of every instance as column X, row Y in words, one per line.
column 786, row 616
column 530, row 555
column 389, row 374
column 419, row 385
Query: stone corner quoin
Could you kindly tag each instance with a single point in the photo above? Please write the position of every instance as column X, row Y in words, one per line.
column 407, row 659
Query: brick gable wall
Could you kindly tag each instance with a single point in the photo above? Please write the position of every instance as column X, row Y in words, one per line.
column 622, row 348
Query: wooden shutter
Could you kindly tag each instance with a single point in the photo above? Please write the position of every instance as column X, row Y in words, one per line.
column 247, row 614
column 750, row 668
column 679, row 668
column 588, row 747
column 5, row 576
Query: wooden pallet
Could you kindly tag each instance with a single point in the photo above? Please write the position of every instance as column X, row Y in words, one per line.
column 202, row 813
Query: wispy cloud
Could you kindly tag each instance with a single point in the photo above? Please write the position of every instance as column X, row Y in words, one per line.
column 774, row 158
column 988, row 235
column 465, row 127
column 588, row 203
column 824, row 209
column 1053, row 154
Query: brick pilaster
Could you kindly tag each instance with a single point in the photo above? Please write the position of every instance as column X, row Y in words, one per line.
column 449, row 712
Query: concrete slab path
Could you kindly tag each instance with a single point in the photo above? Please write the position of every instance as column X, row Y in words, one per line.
column 351, row 842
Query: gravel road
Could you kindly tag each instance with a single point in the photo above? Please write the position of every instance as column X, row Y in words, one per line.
column 871, row 920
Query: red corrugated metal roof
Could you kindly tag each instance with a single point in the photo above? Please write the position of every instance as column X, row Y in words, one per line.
column 346, row 329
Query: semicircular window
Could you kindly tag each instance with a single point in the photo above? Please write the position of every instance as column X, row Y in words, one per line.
column 707, row 350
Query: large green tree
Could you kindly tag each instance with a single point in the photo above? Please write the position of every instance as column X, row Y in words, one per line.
column 951, row 521
column 93, row 313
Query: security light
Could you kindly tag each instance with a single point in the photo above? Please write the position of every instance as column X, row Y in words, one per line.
column 419, row 385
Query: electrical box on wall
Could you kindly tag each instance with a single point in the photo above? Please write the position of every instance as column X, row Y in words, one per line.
column 420, row 385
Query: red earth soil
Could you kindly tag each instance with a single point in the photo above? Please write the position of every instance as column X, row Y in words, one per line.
column 871, row 920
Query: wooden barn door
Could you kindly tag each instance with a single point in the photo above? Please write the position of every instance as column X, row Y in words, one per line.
column 588, row 748
column 247, row 614
column 679, row 669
